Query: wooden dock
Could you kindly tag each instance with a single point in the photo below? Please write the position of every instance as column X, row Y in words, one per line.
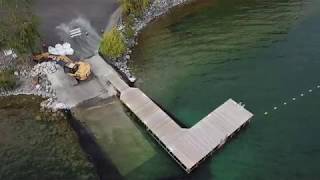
column 187, row 146
column 190, row 146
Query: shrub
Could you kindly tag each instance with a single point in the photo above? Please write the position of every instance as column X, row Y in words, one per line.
column 128, row 22
column 112, row 45
column 128, row 30
column 7, row 79
column 135, row 7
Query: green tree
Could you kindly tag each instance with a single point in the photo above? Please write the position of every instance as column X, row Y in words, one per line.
column 112, row 44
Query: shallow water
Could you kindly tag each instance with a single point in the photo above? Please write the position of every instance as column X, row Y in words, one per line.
column 262, row 53
column 124, row 143
column 38, row 149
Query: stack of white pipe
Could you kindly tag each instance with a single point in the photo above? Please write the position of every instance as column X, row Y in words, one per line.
column 61, row 50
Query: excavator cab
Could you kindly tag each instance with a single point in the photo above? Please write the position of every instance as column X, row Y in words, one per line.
column 70, row 68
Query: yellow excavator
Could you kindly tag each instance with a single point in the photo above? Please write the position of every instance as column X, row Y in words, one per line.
column 80, row 70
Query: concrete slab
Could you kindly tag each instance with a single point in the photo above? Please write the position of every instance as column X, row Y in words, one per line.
column 72, row 95
column 105, row 73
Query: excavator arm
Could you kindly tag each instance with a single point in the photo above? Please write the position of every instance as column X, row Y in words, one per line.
column 41, row 57
column 64, row 59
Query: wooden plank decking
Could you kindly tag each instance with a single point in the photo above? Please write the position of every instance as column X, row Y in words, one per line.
column 187, row 146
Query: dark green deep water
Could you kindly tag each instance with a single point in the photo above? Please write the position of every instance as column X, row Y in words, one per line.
column 260, row 52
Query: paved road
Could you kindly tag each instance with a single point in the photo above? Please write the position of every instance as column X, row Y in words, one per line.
column 58, row 17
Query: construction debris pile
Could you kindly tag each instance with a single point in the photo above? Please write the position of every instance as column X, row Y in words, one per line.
column 36, row 82
column 44, row 68
column 52, row 104
column 42, row 84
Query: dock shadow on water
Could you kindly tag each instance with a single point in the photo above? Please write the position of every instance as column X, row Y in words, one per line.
column 104, row 166
column 118, row 136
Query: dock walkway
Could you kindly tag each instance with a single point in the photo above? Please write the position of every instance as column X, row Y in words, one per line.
column 187, row 146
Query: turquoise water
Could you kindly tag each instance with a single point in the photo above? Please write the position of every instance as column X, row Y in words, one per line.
column 260, row 52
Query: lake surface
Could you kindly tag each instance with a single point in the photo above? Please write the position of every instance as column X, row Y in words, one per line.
column 264, row 53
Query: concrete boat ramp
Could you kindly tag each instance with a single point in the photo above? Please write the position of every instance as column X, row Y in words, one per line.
column 188, row 147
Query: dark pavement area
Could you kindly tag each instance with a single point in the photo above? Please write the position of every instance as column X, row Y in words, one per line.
column 58, row 18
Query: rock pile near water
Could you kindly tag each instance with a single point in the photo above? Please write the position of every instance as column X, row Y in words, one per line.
column 35, row 82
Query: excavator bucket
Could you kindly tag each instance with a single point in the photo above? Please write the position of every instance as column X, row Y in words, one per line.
column 41, row 57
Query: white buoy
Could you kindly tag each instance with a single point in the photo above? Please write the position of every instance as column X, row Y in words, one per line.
column 310, row 90
column 318, row 86
column 275, row 108
column 302, row 95
column 265, row 113
column 293, row 99
column 285, row 103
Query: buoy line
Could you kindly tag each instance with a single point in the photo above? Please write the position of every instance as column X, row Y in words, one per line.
column 293, row 99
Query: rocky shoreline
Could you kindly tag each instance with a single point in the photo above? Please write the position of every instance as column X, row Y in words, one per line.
column 35, row 82
column 156, row 9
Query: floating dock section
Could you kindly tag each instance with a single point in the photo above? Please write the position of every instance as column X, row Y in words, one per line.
column 189, row 146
